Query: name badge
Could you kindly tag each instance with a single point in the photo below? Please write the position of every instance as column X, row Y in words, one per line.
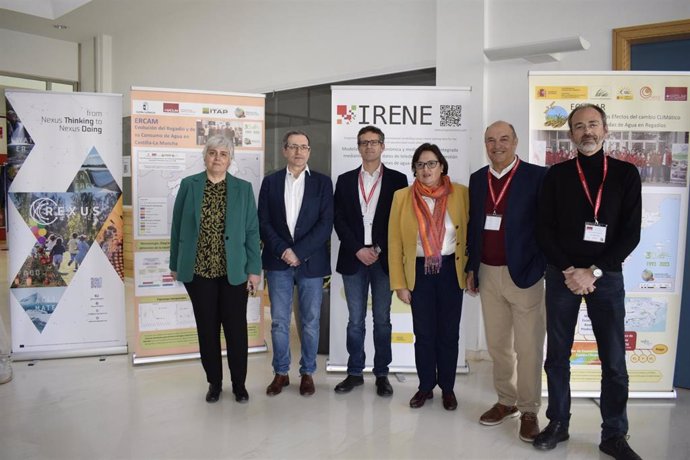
column 594, row 232
column 493, row 222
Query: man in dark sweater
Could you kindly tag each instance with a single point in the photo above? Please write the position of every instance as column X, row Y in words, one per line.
column 589, row 222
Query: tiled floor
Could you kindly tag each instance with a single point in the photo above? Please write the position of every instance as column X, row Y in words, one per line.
column 87, row 408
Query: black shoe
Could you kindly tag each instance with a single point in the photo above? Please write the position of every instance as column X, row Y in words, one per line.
column 241, row 395
column 619, row 449
column 349, row 383
column 383, row 387
column 213, row 393
column 554, row 433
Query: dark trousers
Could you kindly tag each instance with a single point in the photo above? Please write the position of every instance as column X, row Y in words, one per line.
column 216, row 302
column 436, row 310
column 606, row 311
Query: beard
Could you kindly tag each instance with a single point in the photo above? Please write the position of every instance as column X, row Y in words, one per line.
column 588, row 146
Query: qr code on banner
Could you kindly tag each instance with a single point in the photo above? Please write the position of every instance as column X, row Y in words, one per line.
column 97, row 283
column 451, row 115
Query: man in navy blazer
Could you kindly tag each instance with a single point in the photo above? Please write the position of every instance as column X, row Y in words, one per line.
column 363, row 200
column 506, row 267
column 295, row 222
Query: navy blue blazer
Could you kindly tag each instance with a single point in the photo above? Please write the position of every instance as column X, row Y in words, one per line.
column 313, row 228
column 349, row 224
column 526, row 262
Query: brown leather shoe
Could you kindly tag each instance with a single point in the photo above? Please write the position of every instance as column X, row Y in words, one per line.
column 497, row 414
column 529, row 426
column 276, row 386
column 306, row 386
column 449, row 401
column 420, row 398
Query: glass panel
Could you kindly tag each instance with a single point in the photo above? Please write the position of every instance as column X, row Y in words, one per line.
column 17, row 82
column 62, row 87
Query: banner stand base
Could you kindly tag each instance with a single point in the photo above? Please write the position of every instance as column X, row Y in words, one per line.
column 38, row 355
column 184, row 356
column 391, row 369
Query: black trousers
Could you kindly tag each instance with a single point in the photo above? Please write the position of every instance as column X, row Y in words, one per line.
column 217, row 302
column 436, row 310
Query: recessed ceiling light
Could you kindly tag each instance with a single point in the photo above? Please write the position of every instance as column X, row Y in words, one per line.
column 60, row 26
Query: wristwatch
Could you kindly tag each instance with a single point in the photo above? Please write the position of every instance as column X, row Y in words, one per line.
column 596, row 271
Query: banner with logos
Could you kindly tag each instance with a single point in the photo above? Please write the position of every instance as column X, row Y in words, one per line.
column 65, row 271
column 409, row 117
column 649, row 122
column 169, row 130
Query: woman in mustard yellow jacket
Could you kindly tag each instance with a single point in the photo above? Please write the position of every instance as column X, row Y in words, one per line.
column 426, row 256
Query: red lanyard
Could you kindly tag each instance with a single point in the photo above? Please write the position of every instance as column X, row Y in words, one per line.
column 366, row 198
column 586, row 189
column 495, row 200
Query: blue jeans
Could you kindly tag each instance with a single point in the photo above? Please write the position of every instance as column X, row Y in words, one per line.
column 606, row 310
column 310, row 293
column 357, row 294
column 436, row 310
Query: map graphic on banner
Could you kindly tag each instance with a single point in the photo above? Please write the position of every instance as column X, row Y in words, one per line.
column 64, row 199
column 648, row 119
column 653, row 264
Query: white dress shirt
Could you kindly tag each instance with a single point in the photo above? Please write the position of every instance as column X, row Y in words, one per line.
column 505, row 171
column 294, row 193
column 368, row 211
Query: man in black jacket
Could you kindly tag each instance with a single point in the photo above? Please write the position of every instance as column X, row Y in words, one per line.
column 362, row 201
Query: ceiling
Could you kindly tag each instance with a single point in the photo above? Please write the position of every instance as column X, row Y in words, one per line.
column 84, row 18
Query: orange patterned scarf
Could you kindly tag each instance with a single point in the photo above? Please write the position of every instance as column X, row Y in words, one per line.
column 432, row 227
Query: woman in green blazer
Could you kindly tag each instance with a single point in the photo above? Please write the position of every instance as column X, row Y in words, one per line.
column 214, row 251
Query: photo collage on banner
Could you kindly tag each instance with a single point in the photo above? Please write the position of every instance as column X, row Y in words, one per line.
column 169, row 130
column 409, row 117
column 65, row 228
column 649, row 122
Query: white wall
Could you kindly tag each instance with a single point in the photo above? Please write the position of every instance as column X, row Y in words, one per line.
column 260, row 46
column 28, row 54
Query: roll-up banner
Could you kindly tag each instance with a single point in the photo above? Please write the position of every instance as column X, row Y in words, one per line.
column 169, row 130
column 409, row 117
column 648, row 120
column 64, row 204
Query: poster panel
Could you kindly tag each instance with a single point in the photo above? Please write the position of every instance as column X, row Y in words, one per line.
column 169, row 130
column 409, row 117
column 649, row 122
column 65, row 224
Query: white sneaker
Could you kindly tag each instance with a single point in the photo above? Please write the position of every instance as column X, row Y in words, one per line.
column 5, row 369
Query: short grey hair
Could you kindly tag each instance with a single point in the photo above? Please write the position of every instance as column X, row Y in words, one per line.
column 217, row 141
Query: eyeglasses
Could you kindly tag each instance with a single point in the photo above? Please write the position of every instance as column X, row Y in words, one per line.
column 295, row 147
column 429, row 164
column 373, row 143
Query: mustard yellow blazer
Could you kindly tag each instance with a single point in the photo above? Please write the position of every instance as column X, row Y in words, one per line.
column 403, row 230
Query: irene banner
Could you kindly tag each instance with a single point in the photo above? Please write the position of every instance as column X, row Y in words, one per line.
column 169, row 130
column 648, row 117
column 409, row 117
column 65, row 224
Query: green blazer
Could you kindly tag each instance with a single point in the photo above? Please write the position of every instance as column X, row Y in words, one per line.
column 241, row 229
